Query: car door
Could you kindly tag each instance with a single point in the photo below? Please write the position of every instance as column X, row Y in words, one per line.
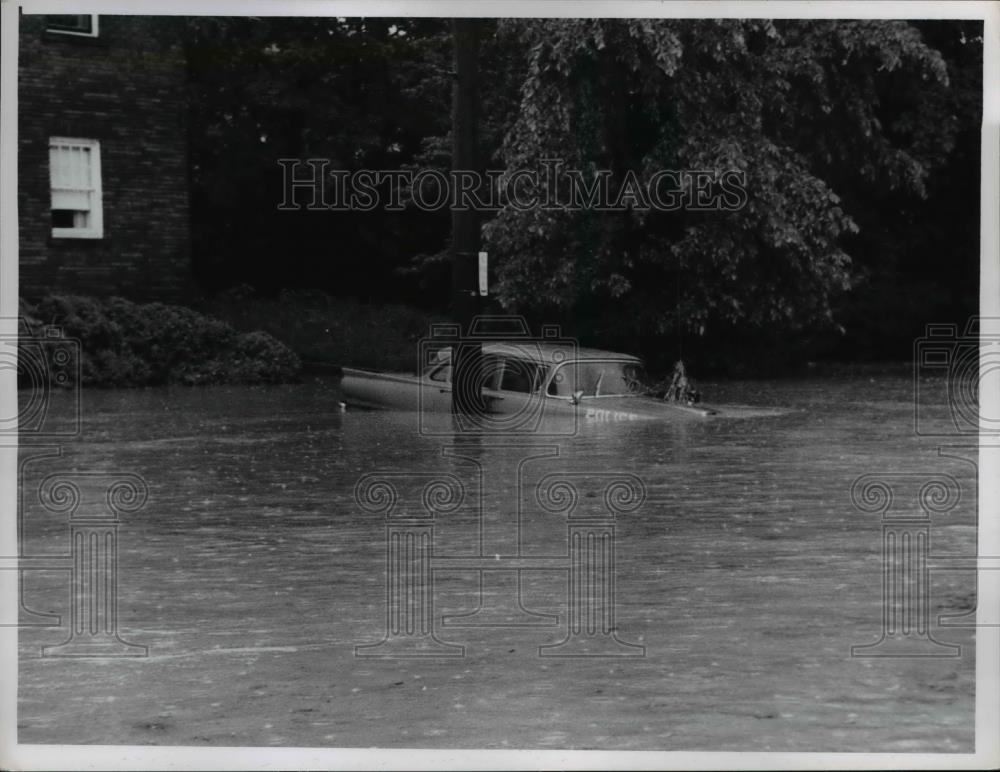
column 435, row 388
column 517, row 387
column 437, row 383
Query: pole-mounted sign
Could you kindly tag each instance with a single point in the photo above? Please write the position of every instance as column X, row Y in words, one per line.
column 468, row 285
column 483, row 274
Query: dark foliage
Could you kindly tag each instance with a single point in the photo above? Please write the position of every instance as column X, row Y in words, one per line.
column 860, row 141
column 128, row 344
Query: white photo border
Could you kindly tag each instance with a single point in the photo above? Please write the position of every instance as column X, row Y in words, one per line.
column 987, row 753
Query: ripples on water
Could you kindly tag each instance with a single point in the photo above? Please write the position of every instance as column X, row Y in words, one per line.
column 747, row 574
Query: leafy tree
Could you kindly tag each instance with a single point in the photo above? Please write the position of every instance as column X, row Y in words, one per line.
column 798, row 106
column 859, row 141
column 916, row 257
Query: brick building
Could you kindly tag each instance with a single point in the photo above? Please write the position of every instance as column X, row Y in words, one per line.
column 103, row 171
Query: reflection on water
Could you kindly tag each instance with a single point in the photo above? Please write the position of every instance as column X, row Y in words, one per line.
column 746, row 574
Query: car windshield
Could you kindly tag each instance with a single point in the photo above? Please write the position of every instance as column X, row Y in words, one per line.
column 599, row 378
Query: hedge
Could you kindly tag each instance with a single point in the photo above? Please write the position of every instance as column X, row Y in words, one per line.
column 128, row 344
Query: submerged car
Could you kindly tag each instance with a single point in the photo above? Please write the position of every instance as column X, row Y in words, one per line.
column 519, row 379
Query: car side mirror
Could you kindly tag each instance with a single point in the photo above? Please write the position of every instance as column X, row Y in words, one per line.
column 576, row 397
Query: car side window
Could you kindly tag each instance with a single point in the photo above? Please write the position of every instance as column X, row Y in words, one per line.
column 491, row 372
column 521, row 375
column 441, row 374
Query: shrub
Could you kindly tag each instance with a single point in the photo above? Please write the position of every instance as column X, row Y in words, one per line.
column 129, row 344
column 329, row 329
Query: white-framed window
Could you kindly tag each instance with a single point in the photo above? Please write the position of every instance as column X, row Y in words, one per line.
column 82, row 25
column 75, row 174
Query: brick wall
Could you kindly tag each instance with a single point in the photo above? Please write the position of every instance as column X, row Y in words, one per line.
column 126, row 89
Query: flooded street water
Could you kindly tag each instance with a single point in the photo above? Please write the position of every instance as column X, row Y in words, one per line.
column 747, row 573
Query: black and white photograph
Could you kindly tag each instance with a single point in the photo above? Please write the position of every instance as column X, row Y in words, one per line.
column 438, row 385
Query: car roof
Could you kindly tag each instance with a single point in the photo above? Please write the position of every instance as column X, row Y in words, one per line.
column 548, row 352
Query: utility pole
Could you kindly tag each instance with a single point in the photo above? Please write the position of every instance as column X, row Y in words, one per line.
column 465, row 233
